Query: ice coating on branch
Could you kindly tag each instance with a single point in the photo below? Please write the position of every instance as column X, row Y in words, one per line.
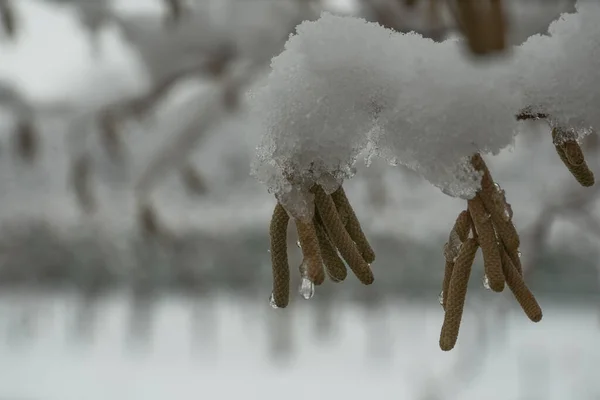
column 343, row 83
column 561, row 72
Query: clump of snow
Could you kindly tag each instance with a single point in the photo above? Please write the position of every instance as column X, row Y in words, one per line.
column 447, row 109
column 318, row 103
column 560, row 73
column 343, row 84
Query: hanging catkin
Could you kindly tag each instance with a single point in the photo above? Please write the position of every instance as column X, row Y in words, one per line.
column 353, row 225
column 340, row 237
column 488, row 243
column 309, row 243
column 515, row 282
column 334, row 266
column 457, row 292
column 279, row 257
column 574, row 160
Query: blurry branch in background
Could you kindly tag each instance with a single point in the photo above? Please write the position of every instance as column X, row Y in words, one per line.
column 27, row 141
column 488, row 25
column 174, row 10
column 81, row 170
column 8, row 18
column 175, row 57
column 482, row 22
column 212, row 110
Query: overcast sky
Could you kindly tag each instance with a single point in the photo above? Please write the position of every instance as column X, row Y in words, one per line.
column 53, row 56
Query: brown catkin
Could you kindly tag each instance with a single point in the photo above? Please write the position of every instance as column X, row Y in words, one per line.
column 353, row 225
column 279, row 257
column 497, row 25
column 461, row 228
column 573, row 152
column 515, row 258
column 581, row 172
column 309, row 243
column 334, row 266
column 505, row 229
column 340, row 238
column 462, row 225
column 468, row 19
column 446, row 282
column 515, row 282
column 489, row 245
column 457, row 292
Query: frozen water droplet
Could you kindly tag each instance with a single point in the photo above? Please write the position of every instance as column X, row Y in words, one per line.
column 268, row 250
column 441, row 298
column 307, row 288
column 486, row 282
column 272, row 302
column 298, row 244
column 518, row 254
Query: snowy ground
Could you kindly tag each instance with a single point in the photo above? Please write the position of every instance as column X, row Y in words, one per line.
column 395, row 357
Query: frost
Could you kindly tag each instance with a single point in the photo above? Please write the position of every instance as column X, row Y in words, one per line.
column 561, row 72
column 343, row 84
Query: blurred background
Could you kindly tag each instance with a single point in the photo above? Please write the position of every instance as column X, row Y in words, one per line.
column 134, row 257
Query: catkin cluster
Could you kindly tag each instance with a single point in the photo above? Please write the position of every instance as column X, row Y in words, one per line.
column 486, row 224
column 332, row 240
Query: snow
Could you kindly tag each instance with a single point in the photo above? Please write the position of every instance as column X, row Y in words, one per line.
column 315, row 114
column 560, row 72
column 448, row 109
column 386, row 353
column 343, row 84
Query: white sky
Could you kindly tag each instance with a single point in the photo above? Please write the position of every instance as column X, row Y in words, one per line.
column 53, row 57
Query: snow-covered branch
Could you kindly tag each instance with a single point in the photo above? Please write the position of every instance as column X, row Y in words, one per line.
column 343, row 86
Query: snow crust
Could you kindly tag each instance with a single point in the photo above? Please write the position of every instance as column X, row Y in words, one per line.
column 344, row 85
